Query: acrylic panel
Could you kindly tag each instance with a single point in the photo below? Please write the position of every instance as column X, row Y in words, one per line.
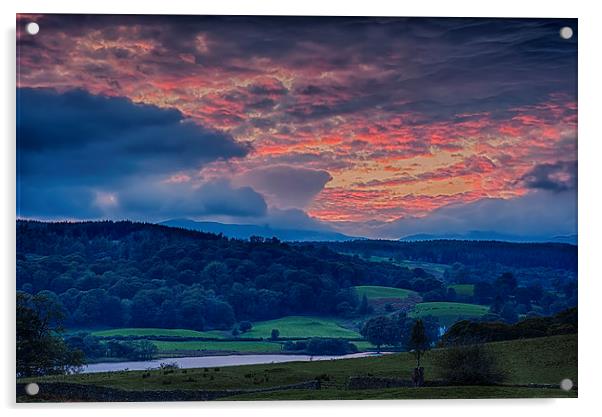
column 295, row 208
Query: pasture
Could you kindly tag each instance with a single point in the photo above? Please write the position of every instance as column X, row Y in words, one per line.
column 300, row 327
column 373, row 292
column 225, row 346
column 149, row 332
column 545, row 360
column 289, row 327
column 236, row 346
column 465, row 290
column 448, row 313
column 435, row 269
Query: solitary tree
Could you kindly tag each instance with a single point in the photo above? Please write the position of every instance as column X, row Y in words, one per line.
column 471, row 364
column 363, row 308
column 275, row 334
column 506, row 284
column 418, row 341
column 245, row 326
column 382, row 331
column 40, row 348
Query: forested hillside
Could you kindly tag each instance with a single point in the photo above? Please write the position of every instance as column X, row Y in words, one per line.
column 146, row 275
column 125, row 274
column 468, row 252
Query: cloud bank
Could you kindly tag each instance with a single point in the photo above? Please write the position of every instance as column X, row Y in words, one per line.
column 286, row 186
column 354, row 120
column 541, row 213
column 87, row 156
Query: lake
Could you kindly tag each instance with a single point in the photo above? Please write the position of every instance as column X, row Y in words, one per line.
column 214, row 361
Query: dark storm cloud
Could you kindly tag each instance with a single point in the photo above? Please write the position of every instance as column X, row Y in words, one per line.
column 76, row 136
column 559, row 176
column 316, row 94
column 436, row 66
column 161, row 201
column 79, row 154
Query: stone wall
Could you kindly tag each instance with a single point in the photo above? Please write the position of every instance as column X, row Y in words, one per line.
column 371, row 382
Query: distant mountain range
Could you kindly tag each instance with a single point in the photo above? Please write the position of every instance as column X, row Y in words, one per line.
column 488, row 235
column 245, row 231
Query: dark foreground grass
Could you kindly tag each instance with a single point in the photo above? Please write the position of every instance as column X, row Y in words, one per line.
column 425, row 393
column 544, row 360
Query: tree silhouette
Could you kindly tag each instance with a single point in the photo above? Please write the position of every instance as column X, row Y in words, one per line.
column 381, row 331
column 419, row 342
column 40, row 348
column 275, row 334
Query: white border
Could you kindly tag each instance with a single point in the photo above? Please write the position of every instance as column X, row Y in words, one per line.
column 590, row 209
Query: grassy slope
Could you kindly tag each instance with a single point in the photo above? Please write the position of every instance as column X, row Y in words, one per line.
column 541, row 360
column 448, row 313
column 241, row 347
column 290, row 326
column 301, row 326
column 437, row 270
column 230, row 346
column 372, row 292
column 157, row 332
column 463, row 289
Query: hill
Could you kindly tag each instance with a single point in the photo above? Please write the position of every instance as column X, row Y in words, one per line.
column 545, row 360
column 126, row 274
column 491, row 236
column 245, row 231
column 374, row 292
column 448, row 313
column 301, row 326
column 149, row 332
column 467, row 252
column 465, row 331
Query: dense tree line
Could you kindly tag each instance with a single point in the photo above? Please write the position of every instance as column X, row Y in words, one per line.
column 397, row 330
column 468, row 252
column 470, row 332
column 544, row 277
column 95, row 348
column 145, row 275
column 320, row 346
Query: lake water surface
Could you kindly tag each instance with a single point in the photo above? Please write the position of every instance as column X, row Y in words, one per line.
column 215, row 361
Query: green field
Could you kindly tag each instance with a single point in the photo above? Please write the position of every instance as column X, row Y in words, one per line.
column 466, row 290
column 234, row 346
column 145, row 332
column 374, row 292
column 436, row 270
column 542, row 360
column 365, row 346
column 290, row 326
column 448, row 313
column 301, row 326
column 228, row 346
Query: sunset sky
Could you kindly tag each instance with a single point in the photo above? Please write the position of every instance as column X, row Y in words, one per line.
column 378, row 127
